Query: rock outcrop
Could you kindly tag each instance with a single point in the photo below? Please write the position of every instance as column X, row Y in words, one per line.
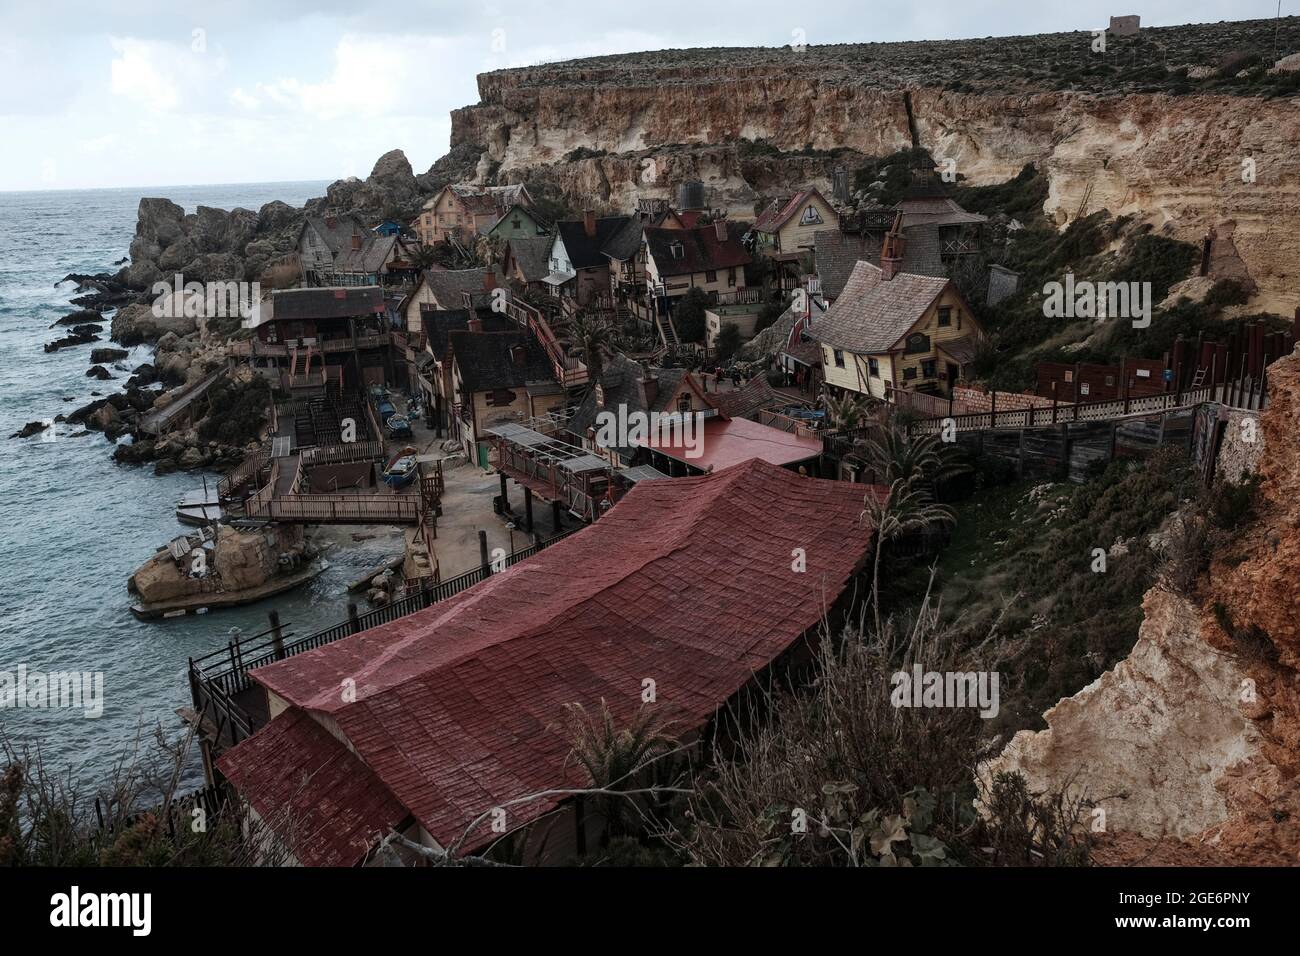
column 1192, row 744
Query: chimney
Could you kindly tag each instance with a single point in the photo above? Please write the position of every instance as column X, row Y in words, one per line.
column 891, row 251
column 356, row 240
column 475, row 324
column 331, row 221
column 720, row 229
column 589, row 222
column 650, row 388
column 489, row 280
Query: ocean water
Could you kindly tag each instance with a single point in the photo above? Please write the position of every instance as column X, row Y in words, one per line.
column 73, row 524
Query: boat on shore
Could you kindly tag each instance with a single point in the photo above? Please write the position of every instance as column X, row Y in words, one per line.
column 199, row 507
column 401, row 468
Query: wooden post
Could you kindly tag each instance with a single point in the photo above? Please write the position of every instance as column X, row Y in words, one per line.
column 1020, row 463
column 528, row 509
column 993, row 409
column 484, row 564
column 277, row 636
column 354, row 619
column 555, row 516
column 1065, row 452
column 505, row 500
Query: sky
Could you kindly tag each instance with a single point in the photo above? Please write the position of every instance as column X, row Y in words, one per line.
column 172, row 92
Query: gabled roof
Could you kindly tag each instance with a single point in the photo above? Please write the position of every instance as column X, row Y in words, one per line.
column 375, row 251
column 487, row 359
column 460, row 708
column 484, row 200
column 937, row 211
column 871, row 315
column 533, row 255
column 584, row 251
column 836, row 254
column 537, row 220
column 746, row 401
column 779, row 211
column 447, row 285
column 335, row 231
column 326, row 302
column 623, row 245
column 438, row 324
column 701, row 250
column 621, row 384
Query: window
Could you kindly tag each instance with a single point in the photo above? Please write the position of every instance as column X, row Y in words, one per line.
column 1069, row 376
column 684, row 402
column 917, row 342
column 909, row 373
column 516, row 225
column 731, row 276
column 927, row 368
column 873, row 366
column 500, row 396
column 711, row 275
column 1110, row 380
column 945, row 317
column 839, row 358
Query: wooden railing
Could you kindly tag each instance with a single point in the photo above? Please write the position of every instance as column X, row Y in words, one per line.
column 379, row 508
column 569, row 372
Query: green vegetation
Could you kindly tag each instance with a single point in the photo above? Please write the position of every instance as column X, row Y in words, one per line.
column 237, row 411
column 688, row 315
column 894, row 170
column 728, row 342
column 1021, row 560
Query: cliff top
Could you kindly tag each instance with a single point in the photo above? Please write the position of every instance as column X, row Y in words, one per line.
column 1157, row 59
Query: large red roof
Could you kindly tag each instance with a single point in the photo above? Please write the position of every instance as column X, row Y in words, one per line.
column 326, row 805
column 460, row 708
column 730, row 441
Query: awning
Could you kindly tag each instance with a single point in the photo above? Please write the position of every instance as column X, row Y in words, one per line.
column 558, row 278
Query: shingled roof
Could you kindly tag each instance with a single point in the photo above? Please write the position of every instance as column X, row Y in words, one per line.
column 700, row 250
column 621, row 383
column 779, row 211
column 533, row 255
column 438, row 324
column 326, row 302
column 871, row 315
column 837, row 253
column 487, row 359
column 587, row 252
column 460, row 708
column 447, row 285
column 335, row 231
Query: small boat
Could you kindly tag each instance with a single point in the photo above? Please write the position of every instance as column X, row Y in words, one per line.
column 399, row 426
column 199, row 507
column 401, row 468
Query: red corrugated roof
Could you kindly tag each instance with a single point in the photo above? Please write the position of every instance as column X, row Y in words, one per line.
column 324, row 802
column 460, row 708
column 731, row 441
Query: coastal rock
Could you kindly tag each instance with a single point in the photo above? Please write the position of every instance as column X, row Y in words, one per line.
column 104, row 355
column 135, row 453
column 276, row 215
column 214, row 267
column 30, row 429
column 99, row 372
column 80, row 317
column 80, row 335
column 177, row 254
column 135, row 324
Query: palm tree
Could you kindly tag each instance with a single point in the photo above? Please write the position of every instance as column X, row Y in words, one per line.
column 423, row 257
column 591, row 339
column 907, row 506
column 847, row 411
column 615, row 756
column 891, row 454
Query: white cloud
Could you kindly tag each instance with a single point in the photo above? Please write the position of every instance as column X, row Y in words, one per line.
column 371, row 76
column 162, row 76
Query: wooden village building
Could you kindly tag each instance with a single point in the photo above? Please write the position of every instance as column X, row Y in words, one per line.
column 311, row 340
column 717, row 614
column 341, row 251
column 463, row 213
column 890, row 329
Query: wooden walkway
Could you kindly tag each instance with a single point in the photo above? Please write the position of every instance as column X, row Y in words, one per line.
column 157, row 421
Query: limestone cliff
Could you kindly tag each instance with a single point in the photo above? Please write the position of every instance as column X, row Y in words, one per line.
column 1130, row 130
column 1192, row 744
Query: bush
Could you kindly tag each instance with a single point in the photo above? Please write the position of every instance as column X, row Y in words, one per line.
column 236, row 411
column 688, row 315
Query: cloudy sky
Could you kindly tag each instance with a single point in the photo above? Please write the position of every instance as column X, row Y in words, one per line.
column 172, row 92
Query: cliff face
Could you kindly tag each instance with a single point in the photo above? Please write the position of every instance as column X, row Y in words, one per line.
column 1192, row 744
column 1165, row 149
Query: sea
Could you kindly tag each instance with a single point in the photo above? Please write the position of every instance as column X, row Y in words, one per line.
column 74, row 525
